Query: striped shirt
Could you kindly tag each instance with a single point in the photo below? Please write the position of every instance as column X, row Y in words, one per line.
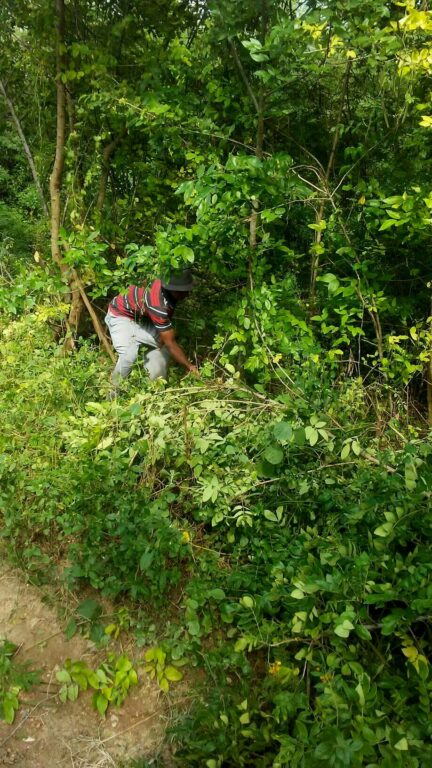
column 154, row 303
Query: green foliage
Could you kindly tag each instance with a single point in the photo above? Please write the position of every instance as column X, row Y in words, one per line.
column 157, row 667
column 111, row 681
column 276, row 513
column 299, row 538
column 14, row 678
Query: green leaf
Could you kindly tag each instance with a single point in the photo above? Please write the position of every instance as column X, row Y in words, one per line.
column 101, row 704
column 241, row 644
column 193, row 627
column 356, row 447
column 89, row 609
column 247, row 601
column 164, row 685
column 146, row 560
column 63, row 694
column 387, row 224
column 402, row 745
column 297, row 594
column 273, row 454
column 345, row 451
column 311, row 435
column 71, row 629
column 63, row 676
column 105, row 443
column 360, row 694
column 72, row 692
column 172, row 674
column 8, row 711
column 324, row 750
column 184, row 252
column 320, row 227
column 207, row 493
column 123, row 664
column 344, row 628
column 384, row 530
column 133, row 677
column 217, row 594
column 283, row 431
column 299, row 437
column 258, row 56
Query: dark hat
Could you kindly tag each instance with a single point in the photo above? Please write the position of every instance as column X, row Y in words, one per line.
column 179, row 281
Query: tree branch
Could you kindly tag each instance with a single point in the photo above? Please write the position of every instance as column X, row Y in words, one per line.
column 26, row 147
column 244, row 75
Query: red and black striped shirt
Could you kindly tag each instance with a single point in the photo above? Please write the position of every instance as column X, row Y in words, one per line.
column 153, row 303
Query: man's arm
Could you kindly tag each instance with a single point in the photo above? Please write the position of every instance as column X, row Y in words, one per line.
column 167, row 338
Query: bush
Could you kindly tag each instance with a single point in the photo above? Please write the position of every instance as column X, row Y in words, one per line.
column 294, row 538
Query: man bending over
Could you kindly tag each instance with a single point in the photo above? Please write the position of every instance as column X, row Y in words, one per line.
column 142, row 316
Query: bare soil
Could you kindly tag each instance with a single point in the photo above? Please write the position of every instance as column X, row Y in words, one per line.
column 47, row 733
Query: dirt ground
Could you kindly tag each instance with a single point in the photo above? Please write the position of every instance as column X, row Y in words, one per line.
column 47, row 733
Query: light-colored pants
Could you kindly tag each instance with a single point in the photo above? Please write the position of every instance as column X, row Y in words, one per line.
column 127, row 337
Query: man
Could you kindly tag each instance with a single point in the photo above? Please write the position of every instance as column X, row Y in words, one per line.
column 142, row 316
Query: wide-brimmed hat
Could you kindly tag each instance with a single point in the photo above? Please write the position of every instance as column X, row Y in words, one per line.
column 179, row 281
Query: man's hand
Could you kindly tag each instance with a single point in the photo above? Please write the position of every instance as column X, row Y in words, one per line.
column 167, row 338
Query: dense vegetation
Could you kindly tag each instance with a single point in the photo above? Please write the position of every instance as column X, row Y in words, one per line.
column 275, row 514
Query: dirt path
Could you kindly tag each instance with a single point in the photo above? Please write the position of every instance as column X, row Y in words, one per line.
column 47, row 733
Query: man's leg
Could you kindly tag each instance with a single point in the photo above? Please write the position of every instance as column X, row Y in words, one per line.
column 156, row 363
column 127, row 337
column 125, row 342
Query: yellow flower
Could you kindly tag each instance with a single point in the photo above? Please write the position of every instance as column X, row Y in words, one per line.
column 274, row 668
column 326, row 678
column 185, row 537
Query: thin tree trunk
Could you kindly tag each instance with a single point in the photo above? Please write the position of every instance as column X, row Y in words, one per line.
column 258, row 102
column 429, row 389
column 57, row 171
column 106, row 157
column 77, row 295
column 428, row 379
column 26, row 147
column 57, row 174
column 259, row 146
column 254, row 219
column 320, row 213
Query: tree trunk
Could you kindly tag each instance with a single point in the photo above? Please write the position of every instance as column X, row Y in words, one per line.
column 258, row 102
column 320, row 212
column 254, row 219
column 429, row 389
column 57, row 171
column 106, row 157
column 26, row 147
column 77, row 296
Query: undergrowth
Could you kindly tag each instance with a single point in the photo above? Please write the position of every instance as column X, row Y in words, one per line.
column 283, row 539
column 14, row 678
